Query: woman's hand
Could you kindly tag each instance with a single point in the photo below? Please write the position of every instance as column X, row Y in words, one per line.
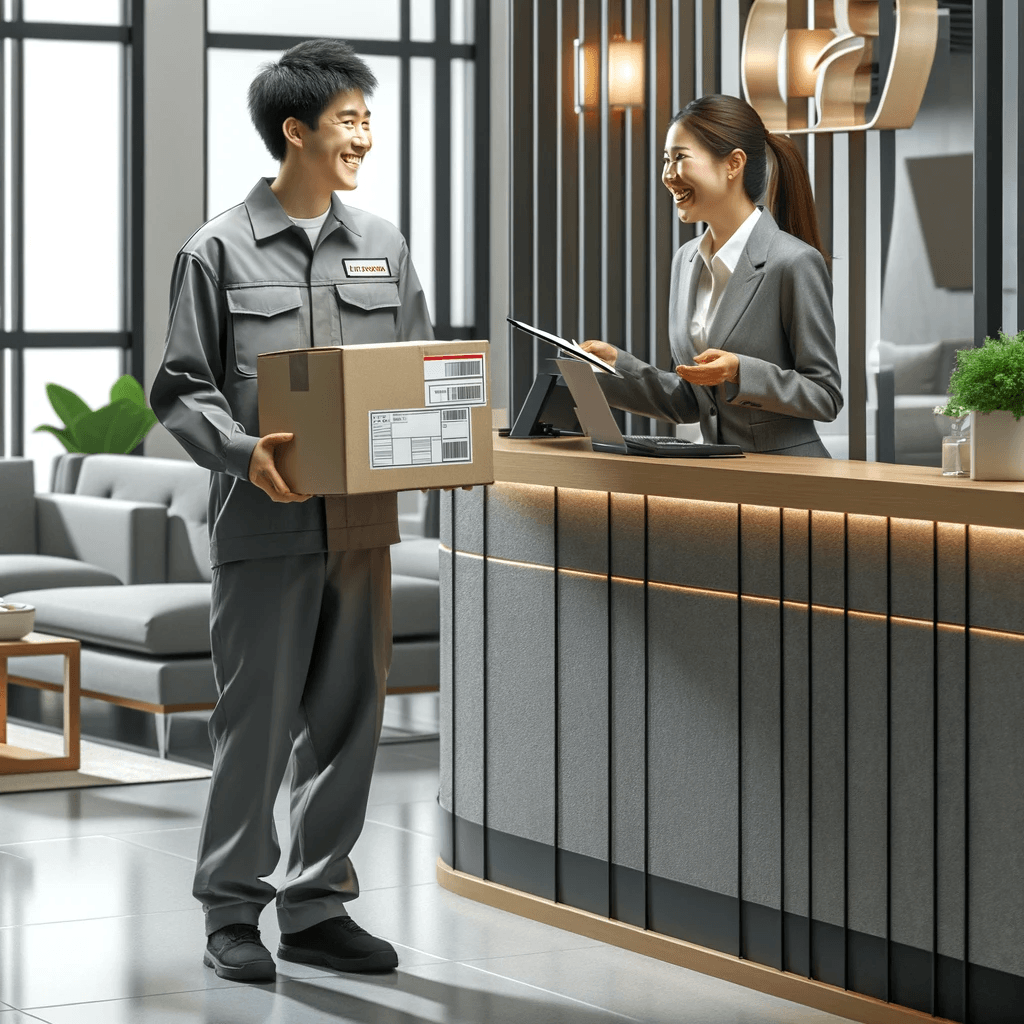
column 713, row 366
column 609, row 353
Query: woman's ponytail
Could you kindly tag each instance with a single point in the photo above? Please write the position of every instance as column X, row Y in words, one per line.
column 789, row 197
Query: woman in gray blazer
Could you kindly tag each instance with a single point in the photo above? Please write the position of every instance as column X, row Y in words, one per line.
column 751, row 328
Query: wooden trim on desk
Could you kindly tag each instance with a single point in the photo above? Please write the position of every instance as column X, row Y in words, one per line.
column 776, row 481
column 769, row 980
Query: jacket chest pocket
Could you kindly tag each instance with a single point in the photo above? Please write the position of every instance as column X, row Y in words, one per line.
column 369, row 312
column 264, row 320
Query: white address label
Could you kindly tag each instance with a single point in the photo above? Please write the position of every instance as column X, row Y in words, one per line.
column 419, row 437
column 454, row 380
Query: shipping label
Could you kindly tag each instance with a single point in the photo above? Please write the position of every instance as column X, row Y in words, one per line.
column 454, row 380
column 419, row 437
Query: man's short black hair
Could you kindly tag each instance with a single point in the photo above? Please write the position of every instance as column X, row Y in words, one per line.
column 301, row 84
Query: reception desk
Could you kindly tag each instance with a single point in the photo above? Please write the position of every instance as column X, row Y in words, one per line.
column 761, row 717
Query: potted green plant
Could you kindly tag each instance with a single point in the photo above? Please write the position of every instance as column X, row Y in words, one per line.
column 988, row 382
column 117, row 427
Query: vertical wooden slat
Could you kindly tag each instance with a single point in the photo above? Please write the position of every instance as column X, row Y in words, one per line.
column 638, row 181
column 546, row 118
column 855, row 373
column 708, row 72
column 660, row 216
column 591, row 208
column 613, row 200
column 569, row 182
column 796, row 18
column 521, row 368
column 988, row 166
column 823, row 193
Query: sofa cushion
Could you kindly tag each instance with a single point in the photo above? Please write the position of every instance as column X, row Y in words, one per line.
column 38, row 572
column 417, row 557
column 149, row 618
column 415, row 607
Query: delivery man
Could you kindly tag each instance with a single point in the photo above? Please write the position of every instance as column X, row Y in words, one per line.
column 300, row 635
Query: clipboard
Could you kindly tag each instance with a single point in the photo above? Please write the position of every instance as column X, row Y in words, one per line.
column 570, row 348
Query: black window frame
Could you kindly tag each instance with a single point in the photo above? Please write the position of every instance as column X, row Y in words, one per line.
column 130, row 338
column 443, row 51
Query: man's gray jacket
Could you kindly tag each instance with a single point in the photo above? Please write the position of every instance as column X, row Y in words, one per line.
column 243, row 284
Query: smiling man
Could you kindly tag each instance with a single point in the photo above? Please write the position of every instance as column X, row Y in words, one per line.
column 300, row 635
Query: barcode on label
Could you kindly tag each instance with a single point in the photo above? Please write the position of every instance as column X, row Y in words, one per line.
column 454, row 451
column 451, row 380
column 463, row 368
column 451, row 415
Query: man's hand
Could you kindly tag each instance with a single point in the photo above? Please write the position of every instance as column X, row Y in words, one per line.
column 601, row 349
column 713, row 366
column 263, row 473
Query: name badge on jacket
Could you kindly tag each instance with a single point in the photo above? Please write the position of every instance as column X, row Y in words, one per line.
column 368, row 268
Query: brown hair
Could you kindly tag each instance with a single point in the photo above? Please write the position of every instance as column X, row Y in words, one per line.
column 724, row 123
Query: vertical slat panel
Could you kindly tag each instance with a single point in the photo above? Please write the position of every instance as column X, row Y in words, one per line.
column 796, row 18
column 613, row 200
column 546, row 117
column 591, row 208
column 858, row 296
column 988, row 163
column 569, row 183
column 661, row 45
column 638, row 180
column 708, row 78
column 521, row 363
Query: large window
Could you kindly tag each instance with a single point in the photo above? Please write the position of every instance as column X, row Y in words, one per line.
column 70, row 209
column 427, row 172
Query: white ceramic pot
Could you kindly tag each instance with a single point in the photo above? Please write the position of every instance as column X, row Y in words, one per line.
column 16, row 620
column 997, row 446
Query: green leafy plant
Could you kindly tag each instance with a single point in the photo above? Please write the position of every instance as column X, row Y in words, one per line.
column 990, row 378
column 115, row 428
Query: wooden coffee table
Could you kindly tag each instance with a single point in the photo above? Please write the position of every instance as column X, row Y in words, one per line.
column 19, row 760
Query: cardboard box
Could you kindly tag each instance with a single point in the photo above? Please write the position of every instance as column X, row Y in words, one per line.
column 371, row 418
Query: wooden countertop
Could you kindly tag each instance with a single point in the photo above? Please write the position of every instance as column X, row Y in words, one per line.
column 828, row 485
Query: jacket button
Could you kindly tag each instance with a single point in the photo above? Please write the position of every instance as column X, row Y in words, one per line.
column 714, row 411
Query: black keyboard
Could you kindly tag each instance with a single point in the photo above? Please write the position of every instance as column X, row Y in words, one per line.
column 654, row 446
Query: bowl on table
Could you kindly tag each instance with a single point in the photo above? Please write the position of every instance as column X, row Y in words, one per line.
column 16, row 619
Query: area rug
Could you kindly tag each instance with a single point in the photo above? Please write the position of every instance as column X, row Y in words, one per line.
column 101, row 765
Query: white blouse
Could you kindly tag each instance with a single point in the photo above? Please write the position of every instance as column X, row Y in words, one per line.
column 717, row 271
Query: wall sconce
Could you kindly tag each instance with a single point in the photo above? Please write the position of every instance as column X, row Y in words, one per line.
column 832, row 64
column 625, row 74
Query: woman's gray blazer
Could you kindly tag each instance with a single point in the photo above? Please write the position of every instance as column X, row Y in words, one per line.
column 776, row 316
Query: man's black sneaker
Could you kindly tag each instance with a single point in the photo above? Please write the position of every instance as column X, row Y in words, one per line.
column 338, row 943
column 235, row 952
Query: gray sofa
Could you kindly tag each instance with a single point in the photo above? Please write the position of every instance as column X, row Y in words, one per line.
column 117, row 556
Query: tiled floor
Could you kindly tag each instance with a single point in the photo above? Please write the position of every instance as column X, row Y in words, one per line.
column 97, row 924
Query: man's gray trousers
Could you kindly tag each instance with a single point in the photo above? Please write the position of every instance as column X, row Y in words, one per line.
column 301, row 650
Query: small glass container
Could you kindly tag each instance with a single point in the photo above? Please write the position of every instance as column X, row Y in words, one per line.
column 956, row 448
